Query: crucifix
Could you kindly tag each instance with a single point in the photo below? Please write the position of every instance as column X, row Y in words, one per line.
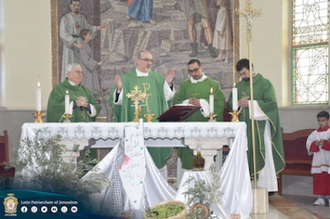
column 136, row 95
column 260, row 195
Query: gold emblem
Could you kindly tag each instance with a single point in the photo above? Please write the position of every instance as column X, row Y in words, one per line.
column 10, row 204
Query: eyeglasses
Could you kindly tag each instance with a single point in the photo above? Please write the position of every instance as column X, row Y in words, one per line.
column 79, row 72
column 193, row 70
column 147, row 60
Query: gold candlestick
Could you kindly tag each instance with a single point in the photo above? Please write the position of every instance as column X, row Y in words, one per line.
column 234, row 115
column 38, row 115
column 149, row 117
column 66, row 117
column 212, row 117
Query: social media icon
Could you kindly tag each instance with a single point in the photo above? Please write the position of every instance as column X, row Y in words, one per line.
column 44, row 209
column 64, row 209
column 24, row 209
column 54, row 209
column 34, row 209
column 74, row 209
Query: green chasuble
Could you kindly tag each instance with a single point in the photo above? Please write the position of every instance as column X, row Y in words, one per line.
column 155, row 103
column 199, row 90
column 264, row 95
column 56, row 103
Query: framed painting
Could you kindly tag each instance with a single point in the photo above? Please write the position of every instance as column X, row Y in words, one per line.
column 174, row 31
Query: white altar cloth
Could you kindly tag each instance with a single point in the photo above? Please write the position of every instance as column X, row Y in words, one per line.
column 235, row 178
column 164, row 130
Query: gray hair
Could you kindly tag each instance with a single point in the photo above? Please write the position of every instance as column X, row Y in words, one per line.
column 70, row 66
column 142, row 51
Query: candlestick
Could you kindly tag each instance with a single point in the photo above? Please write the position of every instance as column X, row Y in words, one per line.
column 38, row 98
column 67, row 102
column 234, row 98
column 211, row 101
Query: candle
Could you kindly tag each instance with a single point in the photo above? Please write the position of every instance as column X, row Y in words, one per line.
column 38, row 98
column 211, row 101
column 234, row 98
column 67, row 102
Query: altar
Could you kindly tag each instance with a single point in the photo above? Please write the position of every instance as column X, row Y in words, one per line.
column 235, row 179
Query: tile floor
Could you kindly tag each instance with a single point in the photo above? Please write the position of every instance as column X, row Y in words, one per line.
column 293, row 207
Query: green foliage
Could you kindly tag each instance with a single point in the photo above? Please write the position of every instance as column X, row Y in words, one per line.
column 44, row 161
column 164, row 211
column 203, row 193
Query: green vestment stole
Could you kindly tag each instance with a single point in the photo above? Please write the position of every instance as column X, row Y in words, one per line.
column 264, row 95
column 199, row 90
column 56, row 103
column 155, row 103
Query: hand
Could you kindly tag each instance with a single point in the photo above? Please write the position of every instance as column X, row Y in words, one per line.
column 244, row 102
column 82, row 101
column 169, row 77
column 118, row 82
column 194, row 101
column 100, row 63
column 79, row 45
column 103, row 25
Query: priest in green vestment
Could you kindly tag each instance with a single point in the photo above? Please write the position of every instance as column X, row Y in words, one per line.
column 196, row 91
column 157, row 91
column 81, row 103
column 268, row 134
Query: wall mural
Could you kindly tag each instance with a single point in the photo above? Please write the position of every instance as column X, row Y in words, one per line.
column 175, row 31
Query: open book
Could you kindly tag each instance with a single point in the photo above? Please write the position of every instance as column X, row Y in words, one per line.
column 178, row 112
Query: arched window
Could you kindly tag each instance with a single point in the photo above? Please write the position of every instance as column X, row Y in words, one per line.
column 310, row 51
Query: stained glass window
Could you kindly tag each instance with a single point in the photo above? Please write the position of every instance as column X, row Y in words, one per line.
column 310, row 51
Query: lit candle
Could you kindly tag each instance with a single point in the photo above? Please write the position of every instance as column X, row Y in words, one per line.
column 38, row 98
column 211, row 101
column 234, row 98
column 67, row 102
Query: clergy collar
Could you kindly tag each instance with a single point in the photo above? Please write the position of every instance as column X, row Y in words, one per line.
column 199, row 80
column 141, row 74
column 72, row 83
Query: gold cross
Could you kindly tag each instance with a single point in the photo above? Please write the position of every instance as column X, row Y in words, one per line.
column 248, row 13
column 136, row 95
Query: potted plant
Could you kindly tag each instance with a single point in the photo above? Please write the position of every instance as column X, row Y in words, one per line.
column 202, row 195
column 43, row 158
column 170, row 209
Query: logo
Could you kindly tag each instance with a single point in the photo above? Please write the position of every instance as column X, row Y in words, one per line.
column 74, row 209
column 44, row 209
column 34, row 209
column 64, row 209
column 54, row 209
column 10, row 204
column 24, row 209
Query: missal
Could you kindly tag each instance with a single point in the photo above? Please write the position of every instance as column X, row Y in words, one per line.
column 178, row 113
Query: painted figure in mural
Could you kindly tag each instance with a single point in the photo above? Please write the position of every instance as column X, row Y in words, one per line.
column 222, row 39
column 70, row 26
column 88, row 64
column 196, row 91
column 195, row 9
column 268, row 134
column 318, row 145
column 82, row 105
column 140, row 9
column 157, row 89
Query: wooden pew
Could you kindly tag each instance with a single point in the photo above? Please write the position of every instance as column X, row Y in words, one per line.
column 4, row 156
column 297, row 160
